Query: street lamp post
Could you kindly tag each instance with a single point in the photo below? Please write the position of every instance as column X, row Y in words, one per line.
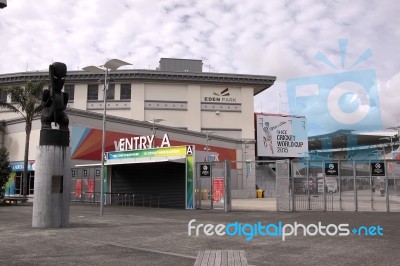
column 153, row 123
column 208, row 134
column 112, row 64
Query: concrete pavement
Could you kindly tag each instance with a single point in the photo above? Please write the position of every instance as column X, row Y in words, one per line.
column 151, row 236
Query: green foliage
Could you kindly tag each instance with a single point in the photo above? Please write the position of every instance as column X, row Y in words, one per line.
column 25, row 101
column 5, row 168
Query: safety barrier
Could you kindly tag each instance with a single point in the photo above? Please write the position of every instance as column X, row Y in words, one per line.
column 313, row 202
column 119, row 199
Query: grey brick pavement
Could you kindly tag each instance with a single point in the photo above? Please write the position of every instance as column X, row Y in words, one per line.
column 145, row 236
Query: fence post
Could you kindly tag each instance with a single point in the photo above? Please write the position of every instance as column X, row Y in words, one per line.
column 340, row 184
column 308, row 185
column 324, row 184
column 386, row 187
column 291, row 177
column 211, row 186
column 227, row 177
column 372, row 186
column 355, row 186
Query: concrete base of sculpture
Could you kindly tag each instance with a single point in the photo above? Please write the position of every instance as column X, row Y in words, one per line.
column 52, row 187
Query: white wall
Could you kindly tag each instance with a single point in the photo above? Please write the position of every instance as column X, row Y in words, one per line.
column 165, row 92
column 172, row 118
column 137, row 102
column 15, row 144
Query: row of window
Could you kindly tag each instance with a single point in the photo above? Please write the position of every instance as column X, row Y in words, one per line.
column 93, row 92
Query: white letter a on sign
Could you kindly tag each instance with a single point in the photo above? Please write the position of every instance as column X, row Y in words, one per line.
column 165, row 141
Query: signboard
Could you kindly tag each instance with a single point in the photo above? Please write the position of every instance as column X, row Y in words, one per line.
column 378, row 169
column 19, row 166
column 190, row 175
column 205, row 170
column 331, row 169
column 281, row 136
column 220, row 95
column 218, row 190
column 140, row 143
column 148, row 153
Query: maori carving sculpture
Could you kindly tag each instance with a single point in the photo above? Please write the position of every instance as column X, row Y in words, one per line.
column 55, row 101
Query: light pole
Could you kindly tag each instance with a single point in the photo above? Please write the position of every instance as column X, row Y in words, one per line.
column 153, row 122
column 112, row 64
column 208, row 134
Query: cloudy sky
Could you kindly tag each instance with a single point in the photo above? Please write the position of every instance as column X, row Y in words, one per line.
column 276, row 37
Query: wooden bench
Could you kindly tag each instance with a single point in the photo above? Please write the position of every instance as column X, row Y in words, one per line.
column 221, row 257
column 15, row 199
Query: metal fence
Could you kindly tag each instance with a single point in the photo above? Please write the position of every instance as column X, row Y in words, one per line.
column 344, row 185
column 119, row 199
column 301, row 185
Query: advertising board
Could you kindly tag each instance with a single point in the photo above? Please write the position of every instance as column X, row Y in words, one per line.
column 281, row 136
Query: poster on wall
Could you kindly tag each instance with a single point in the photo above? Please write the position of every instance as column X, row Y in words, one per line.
column 281, row 136
column 218, row 190
column 78, row 189
column 90, row 189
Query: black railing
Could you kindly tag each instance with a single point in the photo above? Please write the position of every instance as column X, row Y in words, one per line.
column 118, row 199
column 313, row 202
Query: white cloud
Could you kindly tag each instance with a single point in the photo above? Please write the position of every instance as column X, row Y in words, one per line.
column 278, row 38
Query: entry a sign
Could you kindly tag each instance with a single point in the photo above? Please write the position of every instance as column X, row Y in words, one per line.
column 377, row 169
column 205, row 170
column 331, row 169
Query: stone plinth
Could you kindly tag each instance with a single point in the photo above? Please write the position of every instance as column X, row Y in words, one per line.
column 52, row 187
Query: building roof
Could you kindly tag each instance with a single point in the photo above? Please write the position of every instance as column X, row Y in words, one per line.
column 258, row 82
column 349, row 139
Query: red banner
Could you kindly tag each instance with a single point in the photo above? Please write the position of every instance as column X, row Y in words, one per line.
column 78, row 188
column 218, row 189
column 90, row 187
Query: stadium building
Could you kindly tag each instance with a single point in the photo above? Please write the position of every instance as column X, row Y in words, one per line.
column 177, row 103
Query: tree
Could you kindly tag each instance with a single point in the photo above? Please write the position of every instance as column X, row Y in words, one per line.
column 5, row 169
column 25, row 101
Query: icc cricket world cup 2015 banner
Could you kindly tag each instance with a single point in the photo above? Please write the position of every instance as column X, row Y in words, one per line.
column 281, row 136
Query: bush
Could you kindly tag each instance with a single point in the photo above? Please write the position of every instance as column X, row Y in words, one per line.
column 5, row 169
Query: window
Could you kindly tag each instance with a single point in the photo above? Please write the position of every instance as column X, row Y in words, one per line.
column 125, row 91
column 70, row 89
column 93, row 92
column 31, row 182
column 3, row 97
column 111, row 92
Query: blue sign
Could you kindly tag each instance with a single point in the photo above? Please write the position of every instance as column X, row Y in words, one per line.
column 19, row 166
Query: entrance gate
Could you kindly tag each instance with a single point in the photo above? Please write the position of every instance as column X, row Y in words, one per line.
column 299, row 185
column 233, row 185
column 213, row 185
column 345, row 185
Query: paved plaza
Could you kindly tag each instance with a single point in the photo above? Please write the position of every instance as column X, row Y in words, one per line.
column 152, row 236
